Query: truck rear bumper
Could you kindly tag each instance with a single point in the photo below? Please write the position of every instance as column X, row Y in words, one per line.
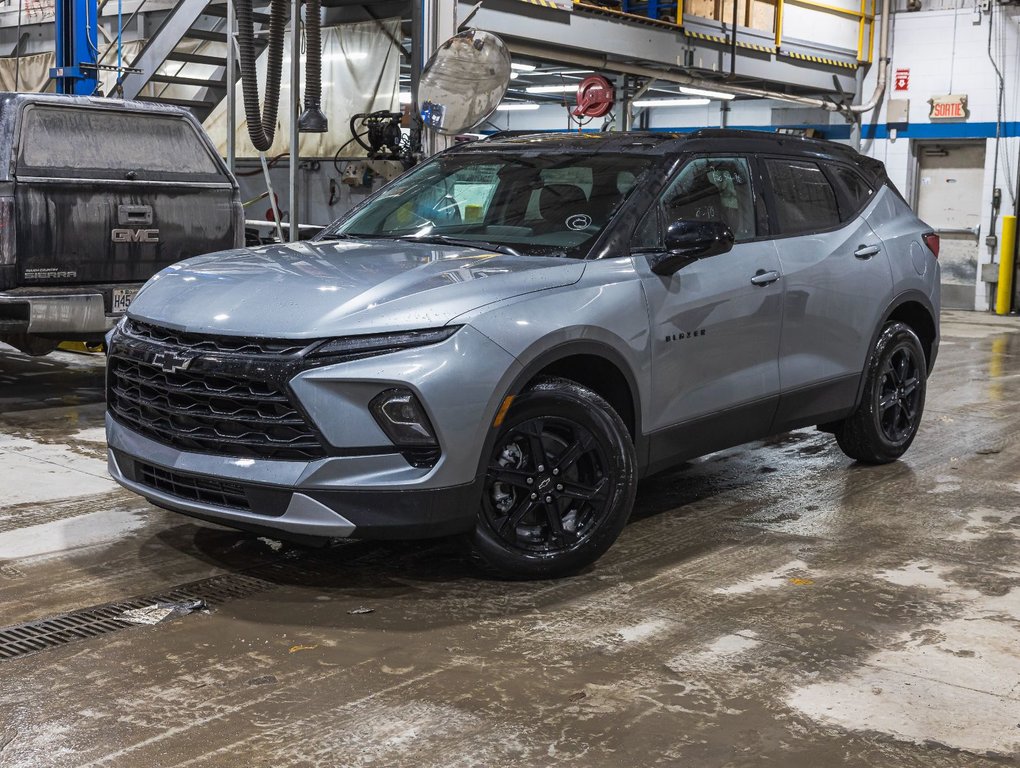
column 54, row 313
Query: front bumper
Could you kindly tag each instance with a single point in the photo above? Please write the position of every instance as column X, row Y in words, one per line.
column 71, row 313
column 286, row 508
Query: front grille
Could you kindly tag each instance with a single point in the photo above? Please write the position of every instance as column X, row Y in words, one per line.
column 208, row 409
column 206, row 490
column 202, row 343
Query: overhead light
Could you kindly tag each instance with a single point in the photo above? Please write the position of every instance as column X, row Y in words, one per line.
column 514, row 106
column 523, row 67
column 514, row 75
column 552, row 88
column 405, row 97
column 702, row 92
column 575, row 72
column 671, row 102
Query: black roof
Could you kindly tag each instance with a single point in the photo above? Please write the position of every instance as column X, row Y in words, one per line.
column 665, row 143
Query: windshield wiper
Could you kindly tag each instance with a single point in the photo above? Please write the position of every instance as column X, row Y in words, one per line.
column 480, row 244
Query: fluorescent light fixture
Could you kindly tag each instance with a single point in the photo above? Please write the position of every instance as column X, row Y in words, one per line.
column 553, row 88
column 516, row 106
column 405, row 97
column 523, row 67
column 671, row 102
column 514, row 75
column 702, row 92
column 576, row 72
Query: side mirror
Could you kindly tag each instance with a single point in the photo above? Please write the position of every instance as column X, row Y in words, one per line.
column 688, row 240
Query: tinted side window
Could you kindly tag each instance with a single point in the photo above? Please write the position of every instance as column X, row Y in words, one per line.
column 858, row 190
column 705, row 189
column 74, row 139
column 804, row 199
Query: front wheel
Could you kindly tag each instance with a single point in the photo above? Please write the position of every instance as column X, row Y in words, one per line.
column 559, row 485
column 886, row 421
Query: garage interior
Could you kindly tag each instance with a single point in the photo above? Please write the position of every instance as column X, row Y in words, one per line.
column 771, row 604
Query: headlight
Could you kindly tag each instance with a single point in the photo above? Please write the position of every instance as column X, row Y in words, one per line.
column 353, row 347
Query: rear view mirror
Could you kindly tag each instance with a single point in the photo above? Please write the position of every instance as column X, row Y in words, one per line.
column 688, row 240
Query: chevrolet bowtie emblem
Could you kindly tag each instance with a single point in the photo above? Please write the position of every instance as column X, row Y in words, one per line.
column 173, row 362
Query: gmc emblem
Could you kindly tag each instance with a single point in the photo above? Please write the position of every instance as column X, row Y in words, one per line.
column 135, row 235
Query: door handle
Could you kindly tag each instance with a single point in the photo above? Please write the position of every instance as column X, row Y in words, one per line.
column 866, row 251
column 761, row 277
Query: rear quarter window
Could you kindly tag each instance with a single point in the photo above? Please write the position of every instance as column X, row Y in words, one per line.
column 804, row 199
column 856, row 189
column 105, row 143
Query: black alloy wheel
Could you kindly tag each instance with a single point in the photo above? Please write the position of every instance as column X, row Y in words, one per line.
column 559, row 483
column 547, row 487
column 900, row 394
column 887, row 419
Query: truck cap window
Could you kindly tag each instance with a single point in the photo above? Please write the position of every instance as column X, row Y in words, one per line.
column 539, row 204
column 68, row 139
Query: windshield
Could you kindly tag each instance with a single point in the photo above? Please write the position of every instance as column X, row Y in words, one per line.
column 550, row 204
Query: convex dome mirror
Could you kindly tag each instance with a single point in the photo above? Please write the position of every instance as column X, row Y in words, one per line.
column 464, row 82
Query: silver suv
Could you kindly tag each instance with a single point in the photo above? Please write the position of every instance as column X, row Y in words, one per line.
column 501, row 342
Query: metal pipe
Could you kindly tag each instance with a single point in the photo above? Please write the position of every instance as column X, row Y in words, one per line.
column 733, row 41
column 603, row 62
column 295, row 89
column 628, row 104
column 231, row 88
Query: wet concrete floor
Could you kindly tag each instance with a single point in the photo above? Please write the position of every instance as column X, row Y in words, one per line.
column 769, row 605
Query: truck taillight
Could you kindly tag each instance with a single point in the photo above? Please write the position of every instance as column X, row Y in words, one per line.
column 932, row 241
column 6, row 230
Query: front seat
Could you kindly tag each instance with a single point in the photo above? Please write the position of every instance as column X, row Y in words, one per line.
column 557, row 203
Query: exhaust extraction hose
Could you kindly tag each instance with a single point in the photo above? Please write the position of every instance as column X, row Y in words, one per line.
column 313, row 64
column 261, row 125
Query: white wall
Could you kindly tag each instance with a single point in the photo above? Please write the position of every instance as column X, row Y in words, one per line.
column 946, row 50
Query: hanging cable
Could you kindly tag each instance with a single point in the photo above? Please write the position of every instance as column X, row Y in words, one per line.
column 261, row 121
column 17, row 48
column 120, row 43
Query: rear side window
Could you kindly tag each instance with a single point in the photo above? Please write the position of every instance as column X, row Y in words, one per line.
column 858, row 190
column 804, row 199
column 108, row 143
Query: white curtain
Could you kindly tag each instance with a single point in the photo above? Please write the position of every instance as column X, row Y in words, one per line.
column 34, row 74
column 360, row 73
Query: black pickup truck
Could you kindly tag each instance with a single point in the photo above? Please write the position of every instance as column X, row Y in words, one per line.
column 96, row 196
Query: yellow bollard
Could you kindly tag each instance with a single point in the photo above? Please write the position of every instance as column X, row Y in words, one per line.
column 1004, row 295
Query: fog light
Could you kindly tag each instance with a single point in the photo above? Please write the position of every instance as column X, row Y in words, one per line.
column 401, row 416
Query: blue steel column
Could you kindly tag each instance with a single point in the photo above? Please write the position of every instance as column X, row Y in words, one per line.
column 75, row 25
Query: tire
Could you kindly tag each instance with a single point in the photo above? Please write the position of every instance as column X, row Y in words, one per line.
column 559, row 486
column 886, row 421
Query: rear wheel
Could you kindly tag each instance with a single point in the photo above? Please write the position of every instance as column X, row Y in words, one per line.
column 886, row 421
column 559, row 484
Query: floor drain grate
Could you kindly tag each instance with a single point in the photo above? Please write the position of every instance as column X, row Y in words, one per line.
column 43, row 634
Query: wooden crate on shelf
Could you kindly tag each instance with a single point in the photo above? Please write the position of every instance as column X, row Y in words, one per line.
column 706, row 9
column 761, row 15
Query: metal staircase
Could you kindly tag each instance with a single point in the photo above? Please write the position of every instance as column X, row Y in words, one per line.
column 185, row 62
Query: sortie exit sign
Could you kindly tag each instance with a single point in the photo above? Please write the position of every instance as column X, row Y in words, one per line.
column 950, row 107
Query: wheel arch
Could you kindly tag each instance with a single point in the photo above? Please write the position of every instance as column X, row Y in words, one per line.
column 916, row 310
column 595, row 365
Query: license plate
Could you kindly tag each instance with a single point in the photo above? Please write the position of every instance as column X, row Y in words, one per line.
column 122, row 300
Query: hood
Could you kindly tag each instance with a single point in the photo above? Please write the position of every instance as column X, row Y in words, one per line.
column 334, row 288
